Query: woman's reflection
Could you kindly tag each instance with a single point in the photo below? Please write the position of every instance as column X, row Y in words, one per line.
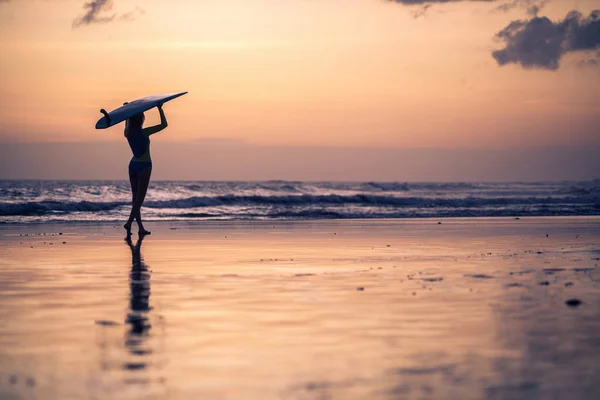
column 139, row 307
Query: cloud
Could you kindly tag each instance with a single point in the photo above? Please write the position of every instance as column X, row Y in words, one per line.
column 423, row 2
column 132, row 15
column 532, row 7
column 93, row 10
column 421, row 11
column 540, row 43
column 96, row 12
column 592, row 62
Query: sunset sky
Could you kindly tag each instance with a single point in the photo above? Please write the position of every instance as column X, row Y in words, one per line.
column 303, row 77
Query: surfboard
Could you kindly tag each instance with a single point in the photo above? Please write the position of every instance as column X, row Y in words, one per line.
column 128, row 110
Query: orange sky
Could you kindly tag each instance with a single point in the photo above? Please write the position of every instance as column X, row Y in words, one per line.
column 362, row 73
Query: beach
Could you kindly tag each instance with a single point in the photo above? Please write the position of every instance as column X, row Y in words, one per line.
column 348, row 200
column 432, row 308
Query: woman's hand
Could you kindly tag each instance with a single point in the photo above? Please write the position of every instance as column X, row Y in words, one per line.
column 163, row 119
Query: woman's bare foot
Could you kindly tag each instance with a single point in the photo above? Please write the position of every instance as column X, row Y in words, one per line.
column 127, row 227
column 143, row 232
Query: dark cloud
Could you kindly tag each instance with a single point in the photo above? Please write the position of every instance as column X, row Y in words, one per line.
column 422, row 2
column 532, row 7
column 540, row 43
column 92, row 14
column 98, row 12
column 592, row 62
column 421, row 11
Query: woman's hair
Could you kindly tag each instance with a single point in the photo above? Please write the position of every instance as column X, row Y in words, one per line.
column 134, row 123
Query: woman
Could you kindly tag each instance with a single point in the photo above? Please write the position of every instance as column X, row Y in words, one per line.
column 140, row 166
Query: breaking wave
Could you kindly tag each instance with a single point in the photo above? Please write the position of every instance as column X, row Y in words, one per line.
column 25, row 201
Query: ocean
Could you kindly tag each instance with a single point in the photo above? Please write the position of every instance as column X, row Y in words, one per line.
column 54, row 201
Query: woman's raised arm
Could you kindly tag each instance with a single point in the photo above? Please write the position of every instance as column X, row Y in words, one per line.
column 157, row 128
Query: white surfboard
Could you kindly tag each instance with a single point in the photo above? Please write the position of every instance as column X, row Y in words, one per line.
column 128, row 110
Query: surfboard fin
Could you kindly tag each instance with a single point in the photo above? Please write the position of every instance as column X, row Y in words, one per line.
column 103, row 111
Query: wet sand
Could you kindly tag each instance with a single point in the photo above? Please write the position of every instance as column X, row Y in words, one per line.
column 463, row 309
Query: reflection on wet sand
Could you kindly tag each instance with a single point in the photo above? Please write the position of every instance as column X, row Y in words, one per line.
column 272, row 311
column 139, row 307
column 138, row 364
column 141, row 366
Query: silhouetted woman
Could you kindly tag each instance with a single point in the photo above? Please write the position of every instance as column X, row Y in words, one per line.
column 140, row 166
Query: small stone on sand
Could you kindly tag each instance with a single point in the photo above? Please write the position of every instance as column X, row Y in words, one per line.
column 573, row 302
column 360, row 288
column 106, row 323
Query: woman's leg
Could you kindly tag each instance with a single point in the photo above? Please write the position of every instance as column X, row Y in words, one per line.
column 133, row 181
column 143, row 180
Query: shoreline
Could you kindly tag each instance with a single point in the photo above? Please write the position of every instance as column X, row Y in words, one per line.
column 306, row 220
